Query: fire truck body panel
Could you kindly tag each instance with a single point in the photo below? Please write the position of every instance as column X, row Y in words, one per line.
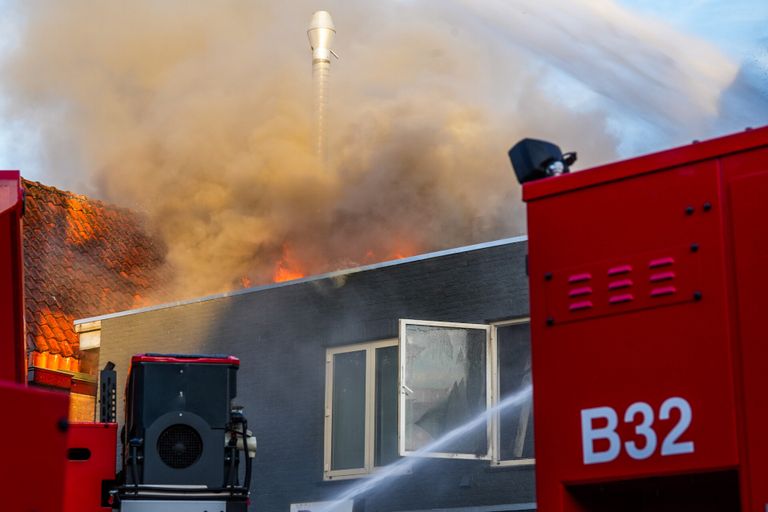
column 91, row 462
column 647, row 285
column 12, row 345
column 35, row 423
column 748, row 196
column 645, row 164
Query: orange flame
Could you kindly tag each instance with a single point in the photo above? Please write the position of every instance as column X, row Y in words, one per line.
column 288, row 267
column 401, row 249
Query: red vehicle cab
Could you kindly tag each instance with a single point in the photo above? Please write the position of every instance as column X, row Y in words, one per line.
column 648, row 286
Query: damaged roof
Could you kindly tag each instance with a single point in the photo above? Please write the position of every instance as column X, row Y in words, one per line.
column 82, row 257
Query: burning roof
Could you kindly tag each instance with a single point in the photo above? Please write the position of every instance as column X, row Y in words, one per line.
column 82, row 257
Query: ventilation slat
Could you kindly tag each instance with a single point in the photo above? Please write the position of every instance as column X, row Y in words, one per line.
column 620, row 299
column 621, row 283
column 661, row 262
column 663, row 291
column 662, row 276
column 578, row 278
column 578, row 292
column 578, row 306
column 619, row 269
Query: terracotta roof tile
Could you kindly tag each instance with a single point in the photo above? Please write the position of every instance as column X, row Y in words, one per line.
column 82, row 258
column 40, row 343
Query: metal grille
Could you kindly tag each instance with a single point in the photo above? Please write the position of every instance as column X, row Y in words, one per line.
column 108, row 396
column 179, row 446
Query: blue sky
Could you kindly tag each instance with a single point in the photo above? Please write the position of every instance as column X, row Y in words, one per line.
column 739, row 27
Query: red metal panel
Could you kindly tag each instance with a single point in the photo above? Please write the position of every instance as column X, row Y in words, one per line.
column 62, row 380
column 12, row 347
column 174, row 358
column 35, row 447
column 676, row 157
column 636, row 361
column 614, row 287
column 91, row 461
column 747, row 182
column 51, row 378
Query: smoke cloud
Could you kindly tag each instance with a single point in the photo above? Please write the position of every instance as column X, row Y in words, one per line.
column 200, row 115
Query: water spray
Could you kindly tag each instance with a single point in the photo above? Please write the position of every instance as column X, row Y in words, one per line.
column 417, row 457
column 320, row 33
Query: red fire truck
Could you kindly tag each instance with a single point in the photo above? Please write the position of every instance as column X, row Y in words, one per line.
column 649, row 287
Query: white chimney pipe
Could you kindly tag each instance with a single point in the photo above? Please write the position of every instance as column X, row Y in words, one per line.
column 320, row 34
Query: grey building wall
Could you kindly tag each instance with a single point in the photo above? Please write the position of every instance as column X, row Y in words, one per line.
column 281, row 333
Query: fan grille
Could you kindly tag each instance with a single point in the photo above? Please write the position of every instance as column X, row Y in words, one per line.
column 179, row 446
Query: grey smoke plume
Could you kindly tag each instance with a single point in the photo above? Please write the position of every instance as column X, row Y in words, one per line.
column 200, row 114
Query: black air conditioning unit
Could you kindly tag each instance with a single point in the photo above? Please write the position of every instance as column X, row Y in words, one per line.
column 178, row 416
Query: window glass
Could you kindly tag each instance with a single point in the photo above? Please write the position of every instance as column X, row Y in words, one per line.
column 385, row 445
column 444, row 378
column 348, row 428
column 89, row 362
column 516, row 423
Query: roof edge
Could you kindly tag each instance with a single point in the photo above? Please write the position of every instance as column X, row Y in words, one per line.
column 318, row 277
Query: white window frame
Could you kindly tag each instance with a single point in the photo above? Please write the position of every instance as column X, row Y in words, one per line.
column 492, row 399
column 370, row 408
column 496, row 461
column 89, row 335
column 404, row 391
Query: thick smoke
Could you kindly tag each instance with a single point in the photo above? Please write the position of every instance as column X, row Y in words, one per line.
column 200, row 115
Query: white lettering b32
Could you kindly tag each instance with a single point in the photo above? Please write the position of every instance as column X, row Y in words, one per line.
column 641, row 415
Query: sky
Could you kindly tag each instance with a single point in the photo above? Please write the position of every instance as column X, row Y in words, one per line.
column 200, row 114
column 739, row 28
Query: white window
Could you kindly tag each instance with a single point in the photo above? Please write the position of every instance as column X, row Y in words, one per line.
column 444, row 384
column 401, row 397
column 451, row 375
column 360, row 408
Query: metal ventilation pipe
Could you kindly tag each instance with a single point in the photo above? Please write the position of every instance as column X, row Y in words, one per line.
column 320, row 33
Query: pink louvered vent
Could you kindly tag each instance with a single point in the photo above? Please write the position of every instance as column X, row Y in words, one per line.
column 662, row 277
